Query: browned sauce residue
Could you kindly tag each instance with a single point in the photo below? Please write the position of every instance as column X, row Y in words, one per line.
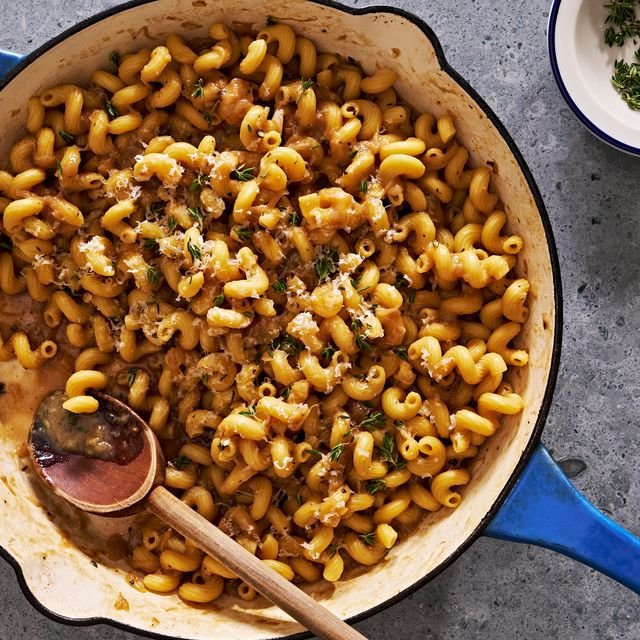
column 107, row 434
column 121, row 603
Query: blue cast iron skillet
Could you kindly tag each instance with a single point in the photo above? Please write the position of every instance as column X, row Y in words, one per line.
column 538, row 504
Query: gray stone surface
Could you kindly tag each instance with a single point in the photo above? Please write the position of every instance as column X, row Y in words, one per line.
column 500, row 590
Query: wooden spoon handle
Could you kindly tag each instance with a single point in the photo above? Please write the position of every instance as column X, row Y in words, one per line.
column 245, row 565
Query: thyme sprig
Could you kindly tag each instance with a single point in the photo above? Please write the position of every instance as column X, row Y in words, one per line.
column 626, row 81
column 621, row 24
column 373, row 486
column 198, row 89
column 389, row 453
column 368, row 538
column 243, row 173
column 374, row 420
column 326, row 264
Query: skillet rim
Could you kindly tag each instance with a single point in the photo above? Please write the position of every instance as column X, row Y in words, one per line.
column 555, row 353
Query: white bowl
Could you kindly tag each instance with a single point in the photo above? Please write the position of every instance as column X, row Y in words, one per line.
column 582, row 65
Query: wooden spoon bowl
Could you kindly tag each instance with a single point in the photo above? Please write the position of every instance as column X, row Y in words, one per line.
column 109, row 463
column 95, row 484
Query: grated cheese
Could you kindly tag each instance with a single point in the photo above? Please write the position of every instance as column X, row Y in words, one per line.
column 314, row 555
column 40, row 260
column 303, row 325
column 284, row 464
column 94, row 245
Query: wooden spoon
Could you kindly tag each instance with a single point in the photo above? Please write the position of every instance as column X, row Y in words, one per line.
column 110, row 463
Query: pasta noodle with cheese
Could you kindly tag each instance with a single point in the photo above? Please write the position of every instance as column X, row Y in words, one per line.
column 302, row 285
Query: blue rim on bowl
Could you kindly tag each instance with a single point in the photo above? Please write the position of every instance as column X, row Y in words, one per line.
column 552, row 32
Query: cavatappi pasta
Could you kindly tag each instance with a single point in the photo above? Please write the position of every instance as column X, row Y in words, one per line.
column 300, row 283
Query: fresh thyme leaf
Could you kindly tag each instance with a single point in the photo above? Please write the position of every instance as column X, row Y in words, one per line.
column 58, row 168
column 306, row 84
column 157, row 208
column 150, row 245
column 205, row 379
column 279, row 286
column 400, row 282
column 626, row 81
column 364, row 186
column 361, row 339
column 199, row 181
column 194, row 250
column 373, row 486
column 114, row 58
column 112, row 112
column 243, row 233
column 198, row 89
column 196, row 214
column 66, row 136
column 363, row 343
column 398, row 423
column 288, row 344
column 326, row 264
column 327, row 352
column 374, row 420
column 286, row 392
column 249, row 411
column 318, row 453
column 621, row 23
column 249, row 314
column 336, row 452
column 332, row 549
column 294, row 219
column 412, row 296
column 172, row 223
column 72, row 418
column 181, row 462
column 131, row 376
column 368, row 538
column 207, row 116
column 389, row 453
column 218, row 300
column 243, row 174
column 153, row 274
column 401, row 352
column 352, row 154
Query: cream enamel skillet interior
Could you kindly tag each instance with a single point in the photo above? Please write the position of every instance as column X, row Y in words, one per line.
column 53, row 547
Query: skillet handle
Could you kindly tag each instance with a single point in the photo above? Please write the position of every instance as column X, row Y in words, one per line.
column 545, row 509
column 8, row 60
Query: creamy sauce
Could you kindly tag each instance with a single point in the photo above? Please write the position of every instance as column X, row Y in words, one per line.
column 109, row 434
